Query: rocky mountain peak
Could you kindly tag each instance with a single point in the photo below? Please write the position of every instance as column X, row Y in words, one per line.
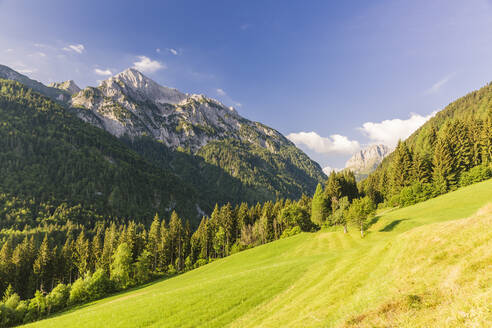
column 367, row 159
column 68, row 86
column 142, row 88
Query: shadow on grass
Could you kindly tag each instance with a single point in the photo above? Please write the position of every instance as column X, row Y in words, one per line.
column 372, row 222
column 392, row 225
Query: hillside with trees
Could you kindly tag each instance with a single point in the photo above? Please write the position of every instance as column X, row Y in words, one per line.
column 453, row 149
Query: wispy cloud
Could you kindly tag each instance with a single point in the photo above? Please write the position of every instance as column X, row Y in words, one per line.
column 103, row 72
column 147, row 65
column 439, row 84
column 221, row 92
column 334, row 144
column 174, row 51
column 78, row 48
column 388, row 132
column 158, row 50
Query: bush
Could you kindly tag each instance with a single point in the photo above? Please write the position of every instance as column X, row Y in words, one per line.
column 291, row 232
column 7, row 316
column 476, row 174
column 143, row 267
column 58, row 298
column 37, row 307
column 98, row 285
column 78, row 292
column 200, row 262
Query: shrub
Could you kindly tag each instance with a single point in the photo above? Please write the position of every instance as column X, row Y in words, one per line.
column 58, row 298
column 37, row 307
column 98, row 285
column 476, row 174
column 143, row 267
column 200, row 262
column 291, row 232
column 78, row 292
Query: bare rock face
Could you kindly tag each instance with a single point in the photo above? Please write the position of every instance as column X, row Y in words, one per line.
column 68, row 86
column 366, row 160
column 132, row 104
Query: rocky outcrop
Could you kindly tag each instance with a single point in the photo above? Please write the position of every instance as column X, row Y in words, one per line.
column 367, row 159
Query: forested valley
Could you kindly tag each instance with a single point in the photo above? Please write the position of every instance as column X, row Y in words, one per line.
column 62, row 244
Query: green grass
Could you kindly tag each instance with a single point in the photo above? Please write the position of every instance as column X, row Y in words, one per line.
column 422, row 266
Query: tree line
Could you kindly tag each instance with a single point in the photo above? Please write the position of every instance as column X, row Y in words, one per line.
column 48, row 268
column 455, row 155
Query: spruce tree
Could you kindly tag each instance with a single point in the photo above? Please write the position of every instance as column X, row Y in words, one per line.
column 421, row 169
column 43, row 264
column 444, row 174
column 318, row 209
column 154, row 241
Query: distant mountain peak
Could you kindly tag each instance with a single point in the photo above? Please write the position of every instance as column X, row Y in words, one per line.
column 366, row 160
column 70, row 86
column 142, row 87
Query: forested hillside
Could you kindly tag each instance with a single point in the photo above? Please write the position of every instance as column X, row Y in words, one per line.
column 452, row 149
column 57, row 168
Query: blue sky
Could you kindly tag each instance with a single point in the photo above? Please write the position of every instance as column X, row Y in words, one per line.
column 333, row 75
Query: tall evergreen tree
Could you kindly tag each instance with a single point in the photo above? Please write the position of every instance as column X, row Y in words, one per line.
column 443, row 176
column 318, row 206
column 43, row 264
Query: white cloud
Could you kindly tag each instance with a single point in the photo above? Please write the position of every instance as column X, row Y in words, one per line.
column 328, row 169
column 438, row 85
column 173, row 51
column 78, row 48
column 388, row 132
column 158, row 50
column 103, row 72
column 221, row 92
column 147, row 65
column 334, row 144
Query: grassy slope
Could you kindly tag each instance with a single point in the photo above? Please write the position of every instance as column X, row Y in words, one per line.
column 416, row 267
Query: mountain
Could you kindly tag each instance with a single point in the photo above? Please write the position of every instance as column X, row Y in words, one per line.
column 201, row 145
column 366, row 160
column 57, row 168
column 131, row 106
column 68, row 86
column 61, row 96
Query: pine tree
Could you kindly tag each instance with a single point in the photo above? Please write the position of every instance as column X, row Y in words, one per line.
column 176, row 239
column 81, row 254
column 43, row 264
column 401, row 168
column 421, row 169
column 154, row 241
column 6, row 265
column 318, row 206
column 443, row 176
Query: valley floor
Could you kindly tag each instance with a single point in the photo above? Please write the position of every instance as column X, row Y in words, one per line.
column 428, row 265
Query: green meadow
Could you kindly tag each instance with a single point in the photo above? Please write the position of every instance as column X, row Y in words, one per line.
column 428, row 265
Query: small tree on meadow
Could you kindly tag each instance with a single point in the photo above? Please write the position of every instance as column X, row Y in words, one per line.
column 340, row 212
column 359, row 211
